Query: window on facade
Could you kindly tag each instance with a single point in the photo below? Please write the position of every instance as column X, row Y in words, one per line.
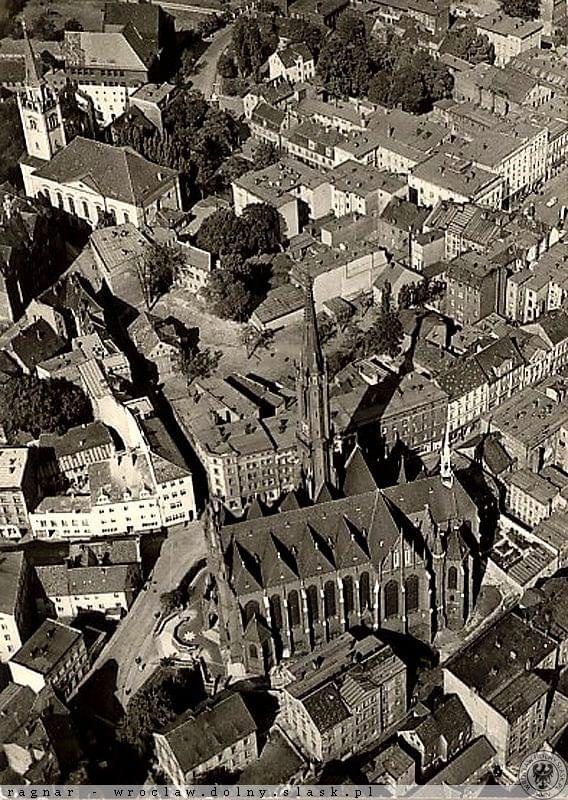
column 412, row 593
column 452, row 578
column 253, row 651
column 330, row 605
column 365, row 591
column 294, row 608
column 313, row 603
column 391, row 599
column 251, row 609
column 276, row 612
column 348, row 598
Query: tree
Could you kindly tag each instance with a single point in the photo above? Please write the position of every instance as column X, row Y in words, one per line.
column 386, row 334
column 170, row 601
column 218, row 233
column 343, row 63
column 200, row 363
column 265, row 154
column 344, row 315
column 300, row 30
column 525, row 9
column 247, row 45
column 11, row 141
column 226, row 66
column 228, row 297
column 255, row 339
column 158, row 270
column 264, row 225
column 44, row 28
column 73, row 24
column 467, row 44
column 33, row 406
column 151, row 708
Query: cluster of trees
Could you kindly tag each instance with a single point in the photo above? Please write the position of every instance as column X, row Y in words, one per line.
column 9, row 23
column 469, row 45
column 196, row 141
column 526, row 9
column 234, row 290
column 33, row 406
column 384, row 336
column 199, row 362
column 352, row 64
column 421, row 293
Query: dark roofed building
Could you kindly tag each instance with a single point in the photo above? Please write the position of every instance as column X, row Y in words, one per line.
column 440, row 735
column 337, row 700
column 222, row 735
column 469, row 767
column 55, row 655
column 496, row 678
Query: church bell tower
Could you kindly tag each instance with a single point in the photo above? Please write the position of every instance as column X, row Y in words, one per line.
column 314, row 428
column 40, row 110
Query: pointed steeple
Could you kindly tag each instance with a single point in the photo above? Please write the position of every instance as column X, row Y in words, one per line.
column 313, row 432
column 312, row 355
column 33, row 73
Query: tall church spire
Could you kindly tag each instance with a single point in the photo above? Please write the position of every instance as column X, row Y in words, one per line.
column 313, row 432
column 33, row 73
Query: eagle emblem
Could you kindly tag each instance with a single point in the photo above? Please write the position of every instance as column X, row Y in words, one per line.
column 542, row 775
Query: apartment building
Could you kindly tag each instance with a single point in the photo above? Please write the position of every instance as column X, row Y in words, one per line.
column 394, row 140
column 449, row 176
column 356, row 691
column 540, row 288
column 473, row 288
column 55, row 656
column 496, row 678
column 221, row 736
column 509, row 35
column 358, row 189
column 109, row 66
column 532, row 497
column 288, row 186
column 19, row 490
column 68, row 590
column 294, row 63
column 15, row 590
column 70, row 454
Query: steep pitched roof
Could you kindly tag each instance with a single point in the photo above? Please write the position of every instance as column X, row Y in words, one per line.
column 358, row 477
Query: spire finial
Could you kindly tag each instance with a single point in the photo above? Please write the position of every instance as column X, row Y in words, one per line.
column 446, row 471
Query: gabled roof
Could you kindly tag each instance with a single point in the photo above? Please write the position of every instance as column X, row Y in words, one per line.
column 358, row 477
column 117, row 173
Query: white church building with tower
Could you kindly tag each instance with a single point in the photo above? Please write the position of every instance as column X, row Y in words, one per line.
column 86, row 178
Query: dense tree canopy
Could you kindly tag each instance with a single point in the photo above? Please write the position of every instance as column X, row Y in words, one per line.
column 258, row 230
column 34, row 406
column 526, row 9
column 467, row 44
column 265, row 154
column 11, row 141
column 351, row 64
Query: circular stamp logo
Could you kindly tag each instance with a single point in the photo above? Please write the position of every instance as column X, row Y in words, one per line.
column 543, row 775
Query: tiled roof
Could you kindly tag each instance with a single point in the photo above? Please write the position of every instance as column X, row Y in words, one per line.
column 196, row 739
column 61, row 581
column 475, row 756
column 118, row 173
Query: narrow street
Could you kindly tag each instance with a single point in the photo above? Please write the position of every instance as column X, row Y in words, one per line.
column 206, row 65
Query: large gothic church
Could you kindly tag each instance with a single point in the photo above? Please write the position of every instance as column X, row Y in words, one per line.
column 402, row 558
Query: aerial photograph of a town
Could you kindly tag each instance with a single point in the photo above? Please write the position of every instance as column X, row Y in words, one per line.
column 283, row 398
